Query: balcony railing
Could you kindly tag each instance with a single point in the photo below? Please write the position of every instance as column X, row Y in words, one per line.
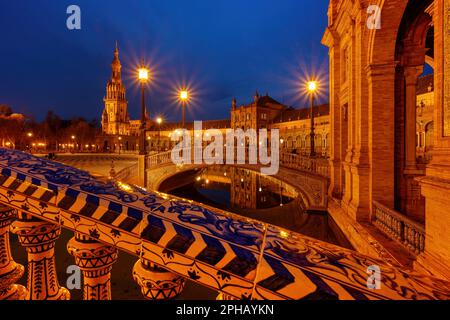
column 400, row 228
column 317, row 166
column 173, row 240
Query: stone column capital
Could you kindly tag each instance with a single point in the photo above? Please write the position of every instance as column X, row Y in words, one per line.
column 412, row 75
column 157, row 283
column 38, row 238
column 381, row 69
column 95, row 260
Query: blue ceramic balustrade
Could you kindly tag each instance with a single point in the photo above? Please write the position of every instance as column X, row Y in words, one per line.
column 241, row 257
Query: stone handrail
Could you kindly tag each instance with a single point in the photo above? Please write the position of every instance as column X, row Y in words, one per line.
column 159, row 159
column 127, row 173
column 399, row 227
column 174, row 240
column 317, row 166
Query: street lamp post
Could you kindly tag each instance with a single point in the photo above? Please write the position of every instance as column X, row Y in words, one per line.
column 73, row 143
column 184, row 96
column 312, row 88
column 159, row 121
column 143, row 78
column 29, row 135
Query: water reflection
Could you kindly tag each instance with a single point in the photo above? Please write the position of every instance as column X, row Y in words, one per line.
column 250, row 194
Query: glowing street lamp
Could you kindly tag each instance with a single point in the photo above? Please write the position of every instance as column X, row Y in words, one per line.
column 312, row 87
column 74, row 144
column 184, row 98
column 30, row 134
column 159, row 121
column 120, row 144
column 143, row 76
column 184, row 95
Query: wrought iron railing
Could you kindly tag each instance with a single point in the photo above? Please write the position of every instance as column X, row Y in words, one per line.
column 400, row 228
column 173, row 240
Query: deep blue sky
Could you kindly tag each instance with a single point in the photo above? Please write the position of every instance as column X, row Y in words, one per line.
column 223, row 48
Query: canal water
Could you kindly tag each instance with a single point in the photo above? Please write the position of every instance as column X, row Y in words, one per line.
column 252, row 195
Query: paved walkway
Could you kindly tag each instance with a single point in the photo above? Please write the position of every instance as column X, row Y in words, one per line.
column 97, row 164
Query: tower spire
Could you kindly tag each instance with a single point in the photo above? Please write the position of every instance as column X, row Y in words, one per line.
column 116, row 66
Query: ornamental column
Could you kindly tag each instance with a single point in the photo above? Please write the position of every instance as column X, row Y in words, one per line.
column 436, row 184
column 157, row 283
column 38, row 238
column 95, row 261
column 10, row 271
column 411, row 77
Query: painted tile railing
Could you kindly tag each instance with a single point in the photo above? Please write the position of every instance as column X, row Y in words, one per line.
column 239, row 257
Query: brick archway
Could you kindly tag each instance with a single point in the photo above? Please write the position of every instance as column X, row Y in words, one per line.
column 396, row 55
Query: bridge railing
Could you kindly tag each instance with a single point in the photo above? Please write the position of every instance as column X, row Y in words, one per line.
column 158, row 159
column 400, row 228
column 173, row 240
column 319, row 166
column 127, row 173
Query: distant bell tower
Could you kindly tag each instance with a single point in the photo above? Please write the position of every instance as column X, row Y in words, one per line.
column 115, row 118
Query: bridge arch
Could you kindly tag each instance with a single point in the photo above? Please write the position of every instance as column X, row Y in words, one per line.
column 311, row 191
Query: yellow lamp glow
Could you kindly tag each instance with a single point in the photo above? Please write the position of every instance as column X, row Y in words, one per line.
column 184, row 95
column 143, row 74
column 159, row 120
column 312, row 86
column 284, row 234
column 124, row 186
column 30, row 134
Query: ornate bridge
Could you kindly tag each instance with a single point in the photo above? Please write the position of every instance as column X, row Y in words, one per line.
column 173, row 240
column 308, row 176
